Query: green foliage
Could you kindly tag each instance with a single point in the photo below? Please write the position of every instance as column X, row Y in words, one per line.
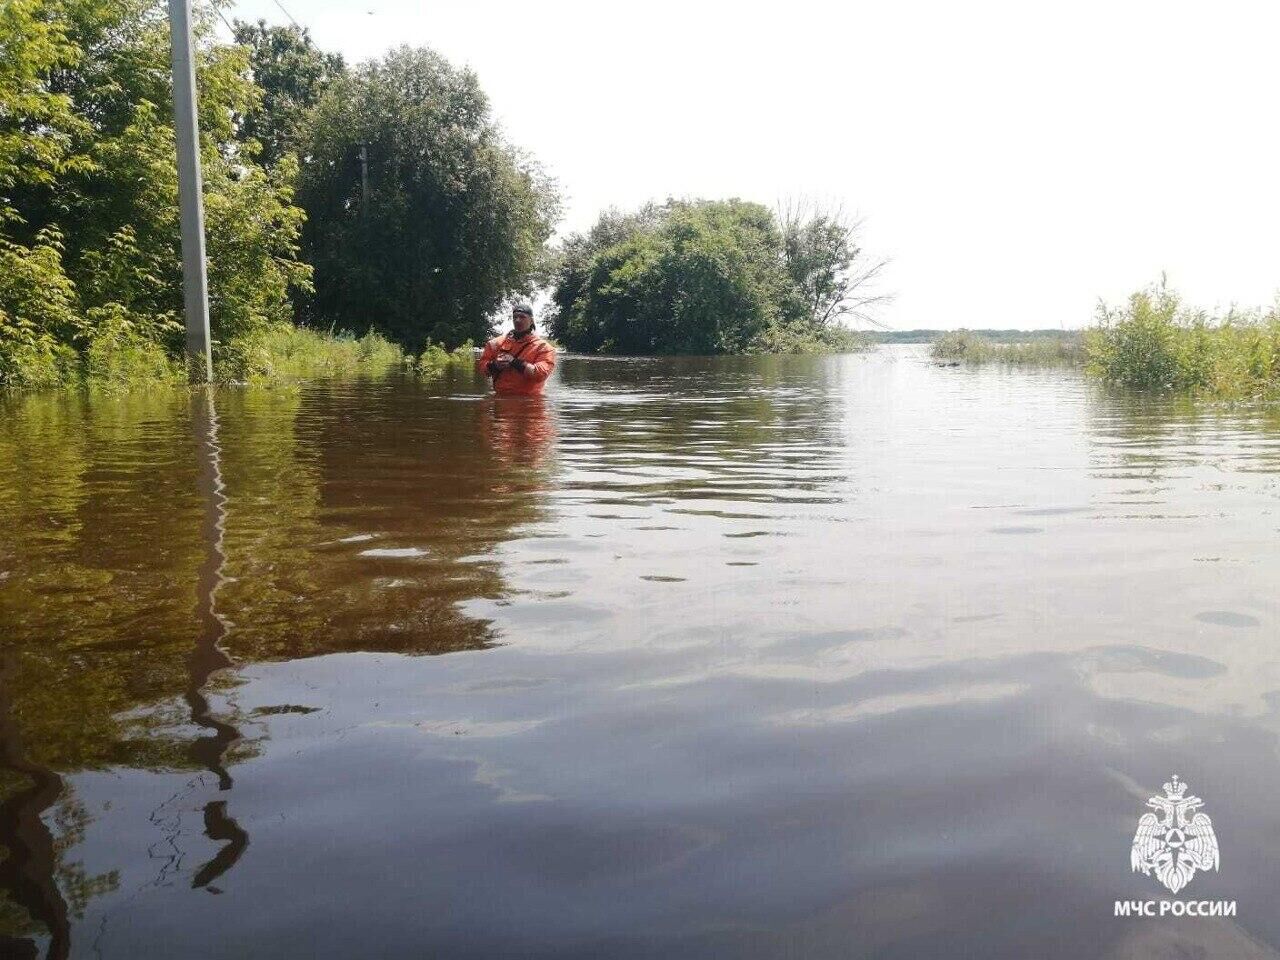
column 435, row 360
column 704, row 277
column 119, row 355
column 88, row 181
column 968, row 346
column 36, row 121
column 456, row 219
column 37, row 312
column 292, row 74
column 1155, row 343
column 283, row 351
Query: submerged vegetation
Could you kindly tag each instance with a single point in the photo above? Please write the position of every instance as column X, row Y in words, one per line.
column 284, row 351
column 1154, row 342
column 967, row 346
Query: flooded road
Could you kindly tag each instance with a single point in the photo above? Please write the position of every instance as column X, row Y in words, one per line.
column 760, row 658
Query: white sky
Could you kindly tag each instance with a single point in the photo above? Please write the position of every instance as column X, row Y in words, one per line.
column 1016, row 161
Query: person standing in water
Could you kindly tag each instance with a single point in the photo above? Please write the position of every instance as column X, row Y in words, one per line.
column 518, row 362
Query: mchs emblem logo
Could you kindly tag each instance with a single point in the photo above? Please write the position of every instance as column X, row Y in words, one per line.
column 1176, row 839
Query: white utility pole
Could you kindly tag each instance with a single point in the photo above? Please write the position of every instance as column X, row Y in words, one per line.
column 195, row 284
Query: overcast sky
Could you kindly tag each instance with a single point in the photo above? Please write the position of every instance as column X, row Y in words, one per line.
column 1016, row 161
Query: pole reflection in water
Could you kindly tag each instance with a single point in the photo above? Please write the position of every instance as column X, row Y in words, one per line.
column 208, row 656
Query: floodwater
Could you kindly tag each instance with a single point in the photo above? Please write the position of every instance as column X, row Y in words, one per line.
column 762, row 658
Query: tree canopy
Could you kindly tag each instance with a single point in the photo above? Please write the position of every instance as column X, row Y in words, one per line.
column 292, row 73
column 90, row 263
column 89, row 252
column 456, row 219
column 708, row 276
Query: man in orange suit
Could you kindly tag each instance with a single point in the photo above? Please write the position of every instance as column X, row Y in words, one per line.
column 520, row 361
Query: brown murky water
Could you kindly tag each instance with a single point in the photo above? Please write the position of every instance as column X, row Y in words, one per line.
column 812, row 657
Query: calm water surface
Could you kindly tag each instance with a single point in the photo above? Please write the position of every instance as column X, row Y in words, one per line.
column 812, row 657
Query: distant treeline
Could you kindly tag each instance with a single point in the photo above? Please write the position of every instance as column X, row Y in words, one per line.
column 925, row 335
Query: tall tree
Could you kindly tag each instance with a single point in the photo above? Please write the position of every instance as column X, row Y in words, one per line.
column 834, row 277
column 455, row 218
column 292, row 73
column 704, row 277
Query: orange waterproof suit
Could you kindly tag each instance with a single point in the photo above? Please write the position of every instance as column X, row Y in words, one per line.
column 537, row 360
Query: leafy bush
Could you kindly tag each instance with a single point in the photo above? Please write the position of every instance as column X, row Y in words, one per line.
column 965, row 346
column 1154, row 342
column 436, row 360
column 704, row 277
column 118, row 355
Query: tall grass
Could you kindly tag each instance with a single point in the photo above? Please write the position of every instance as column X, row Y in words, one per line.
column 435, row 360
column 965, row 346
column 285, row 352
column 1154, row 342
column 119, row 361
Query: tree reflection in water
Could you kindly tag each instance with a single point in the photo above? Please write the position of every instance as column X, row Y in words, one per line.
column 33, row 903
column 110, row 520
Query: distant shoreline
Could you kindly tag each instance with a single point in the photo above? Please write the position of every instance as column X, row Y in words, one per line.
column 927, row 335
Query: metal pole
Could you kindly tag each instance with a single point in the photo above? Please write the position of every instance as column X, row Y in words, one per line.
column 195, row 284
column 364, row 179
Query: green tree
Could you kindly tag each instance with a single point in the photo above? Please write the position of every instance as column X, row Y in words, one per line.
column 700, row 277
column 292, row 73
column 89, row 181
column 834, row 278
column 37, row 127
column 456, row 218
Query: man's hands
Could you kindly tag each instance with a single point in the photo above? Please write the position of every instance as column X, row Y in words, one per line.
column 504, row 360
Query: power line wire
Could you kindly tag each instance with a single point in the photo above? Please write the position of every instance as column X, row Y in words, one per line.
column 288, row 14
column 223, row 17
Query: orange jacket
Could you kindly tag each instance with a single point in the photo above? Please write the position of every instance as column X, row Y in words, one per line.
column 539, row 360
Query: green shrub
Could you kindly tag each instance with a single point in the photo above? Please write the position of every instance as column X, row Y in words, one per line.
column 1153, row 342
column 283, row 351
column 117, row 356
column 965, row 346
column 710, row 277
column 37, row 314
column 435, row 360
